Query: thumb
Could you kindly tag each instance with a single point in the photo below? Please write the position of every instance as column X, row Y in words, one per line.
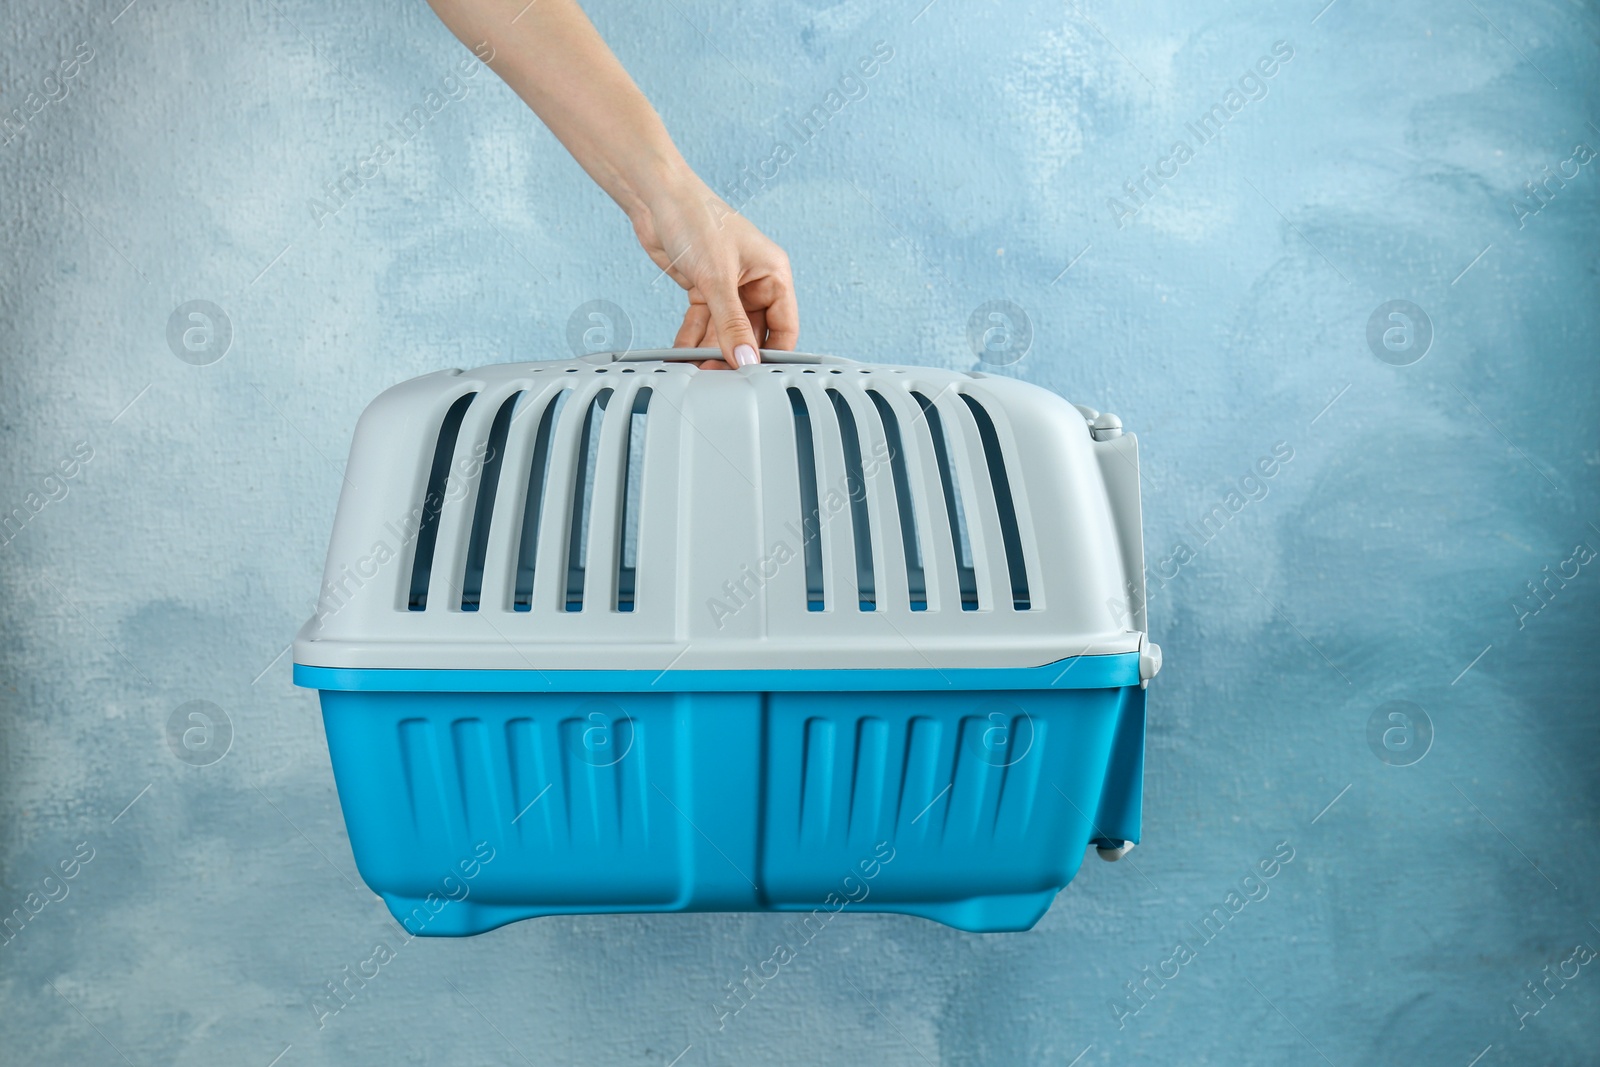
column 734, row 335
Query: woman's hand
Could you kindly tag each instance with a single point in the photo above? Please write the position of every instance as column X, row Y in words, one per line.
column 741, row 294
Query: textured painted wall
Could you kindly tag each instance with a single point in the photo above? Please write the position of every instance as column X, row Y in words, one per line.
column 1222, row 308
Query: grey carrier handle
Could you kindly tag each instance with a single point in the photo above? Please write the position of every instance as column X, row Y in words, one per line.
column 686, row 355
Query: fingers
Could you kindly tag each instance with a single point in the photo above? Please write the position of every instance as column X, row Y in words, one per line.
column 773, row 326
column 735, row 336
column 758, row 324
column 770, row 304
column 697, row 332
column 783, row 321
column 741, row 294
column 692, row 333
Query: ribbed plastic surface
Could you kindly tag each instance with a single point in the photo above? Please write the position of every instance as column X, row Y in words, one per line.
column 734, row 801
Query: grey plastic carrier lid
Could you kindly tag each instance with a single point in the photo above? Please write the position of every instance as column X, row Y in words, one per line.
column 632, row 511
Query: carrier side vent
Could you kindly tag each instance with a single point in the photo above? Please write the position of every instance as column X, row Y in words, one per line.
column 856, row 490
column 433, row 499
column 533, row 508
column 810, row 510
column 911, row 545
column 583, row 490
column 564, row 427
column 483, row 513
column 633, row 461
column 563, row 432
column 1005, row 506
column 966, row 576
column 946, row 439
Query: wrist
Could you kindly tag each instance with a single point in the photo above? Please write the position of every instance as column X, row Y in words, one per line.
column 662, row 185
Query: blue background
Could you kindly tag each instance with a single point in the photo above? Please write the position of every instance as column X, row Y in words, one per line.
column 1384, row 562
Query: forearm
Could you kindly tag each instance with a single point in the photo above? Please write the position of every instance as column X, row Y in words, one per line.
column 551, row 56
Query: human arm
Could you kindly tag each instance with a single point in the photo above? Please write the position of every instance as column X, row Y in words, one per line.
column 741, row 292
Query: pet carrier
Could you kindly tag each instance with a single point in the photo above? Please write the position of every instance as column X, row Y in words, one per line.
column 619, row 634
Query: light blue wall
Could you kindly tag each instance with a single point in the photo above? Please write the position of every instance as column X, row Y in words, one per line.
column 1224, row 318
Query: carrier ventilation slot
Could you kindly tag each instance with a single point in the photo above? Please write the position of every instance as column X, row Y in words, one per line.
column 433, row 501
column 583, row 500
column 911, row 544
column 856, row 489
column 810, row 513
column 483, row 512
column 965, row 575
column 533, row 509
column 1010, row 533
column 632, row 497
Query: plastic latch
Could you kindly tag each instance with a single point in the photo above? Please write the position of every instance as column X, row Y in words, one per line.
column 1105, row 426
column 1149, row 659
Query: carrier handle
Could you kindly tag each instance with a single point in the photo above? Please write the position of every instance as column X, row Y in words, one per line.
column 685, row 355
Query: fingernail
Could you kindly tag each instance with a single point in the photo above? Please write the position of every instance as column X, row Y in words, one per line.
column 745, row 356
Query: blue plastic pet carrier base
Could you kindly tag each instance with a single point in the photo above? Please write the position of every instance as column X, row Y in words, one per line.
column 620, row 791
column 623, row 634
